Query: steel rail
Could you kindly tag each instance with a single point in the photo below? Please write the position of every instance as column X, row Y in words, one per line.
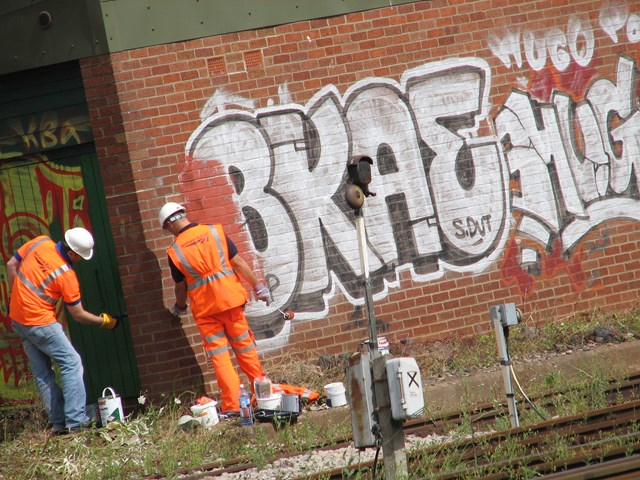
column 627, row 468
column 483, row 414
column 475, row 451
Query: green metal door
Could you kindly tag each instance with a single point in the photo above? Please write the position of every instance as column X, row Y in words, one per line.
column 47, row 194
column 107, row 356
column 50, row 181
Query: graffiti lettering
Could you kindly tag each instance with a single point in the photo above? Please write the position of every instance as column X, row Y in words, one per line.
column 36, row 194
column 561, row 47
column 575, row 43
column 29, row 135
column 614, row 18
column 442, row 186
column 13, row 362
column 428, row 152
column 473, row 227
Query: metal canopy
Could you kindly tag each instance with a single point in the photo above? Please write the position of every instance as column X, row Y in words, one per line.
column 46, row 32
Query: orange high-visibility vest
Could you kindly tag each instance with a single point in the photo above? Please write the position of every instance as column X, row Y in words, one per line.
column 202, row 255
column 44, row 276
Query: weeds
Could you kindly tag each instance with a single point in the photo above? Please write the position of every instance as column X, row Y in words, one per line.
column 152, row 444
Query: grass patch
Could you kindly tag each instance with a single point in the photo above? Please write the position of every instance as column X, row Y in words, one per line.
column 153, row 444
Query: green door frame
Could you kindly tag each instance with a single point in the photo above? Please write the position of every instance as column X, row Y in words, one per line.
column 107, row 356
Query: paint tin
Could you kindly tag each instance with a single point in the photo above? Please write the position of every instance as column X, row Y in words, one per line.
column 290, row 403
column 110, row 407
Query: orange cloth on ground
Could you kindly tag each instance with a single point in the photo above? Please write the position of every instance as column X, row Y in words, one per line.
column 304, row 392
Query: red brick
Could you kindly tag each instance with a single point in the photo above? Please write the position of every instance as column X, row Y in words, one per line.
column 145, row 103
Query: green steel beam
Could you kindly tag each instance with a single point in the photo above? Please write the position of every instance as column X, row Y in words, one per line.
column 75, row 31
column 136, row 23
column 85, row 28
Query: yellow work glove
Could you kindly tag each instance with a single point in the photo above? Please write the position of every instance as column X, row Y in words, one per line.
column 108, row 321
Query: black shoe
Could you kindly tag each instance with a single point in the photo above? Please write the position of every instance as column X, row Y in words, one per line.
column 76, row 429
column 55, row 428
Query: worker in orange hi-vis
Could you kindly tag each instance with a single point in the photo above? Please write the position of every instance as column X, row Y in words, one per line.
column 206, row 268
column 40, row 273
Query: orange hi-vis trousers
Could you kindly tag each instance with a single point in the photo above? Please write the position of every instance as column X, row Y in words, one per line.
column 219, row 331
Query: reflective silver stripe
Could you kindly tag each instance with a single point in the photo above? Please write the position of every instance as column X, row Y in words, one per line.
column 184, row 262
column 306, row 394
column 240, row 337
column 217, row 351
column 246, row 349
column 200, row 281
column 39, row 290
column 213, row 337
column 34, row 246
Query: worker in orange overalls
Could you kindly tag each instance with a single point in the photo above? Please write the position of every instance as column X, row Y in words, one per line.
column 39, row 274
column 205, row 266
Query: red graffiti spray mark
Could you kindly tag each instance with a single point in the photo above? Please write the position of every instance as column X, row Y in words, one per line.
column 13, row 361
column 64, row 196
column 512, row 271
column 553, row 263
column 204, row 181
column 4, row 312
column 35, row 194
column 573, row 81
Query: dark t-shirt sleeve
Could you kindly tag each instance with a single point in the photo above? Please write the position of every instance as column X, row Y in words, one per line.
column 233, row 250
column 175, row 273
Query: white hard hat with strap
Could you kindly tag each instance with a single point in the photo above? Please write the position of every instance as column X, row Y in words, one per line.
column 80, row 241
column 168, row 211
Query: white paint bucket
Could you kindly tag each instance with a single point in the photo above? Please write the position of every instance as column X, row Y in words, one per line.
column 336, row 394
column 206, row 414
column 110, row 407
column 270, row 403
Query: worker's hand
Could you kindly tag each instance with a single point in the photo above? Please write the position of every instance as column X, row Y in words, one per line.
column 177, row 312
column 109, row 322
column 262, row 293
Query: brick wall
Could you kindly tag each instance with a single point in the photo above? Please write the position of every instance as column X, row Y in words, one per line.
column 503, row 136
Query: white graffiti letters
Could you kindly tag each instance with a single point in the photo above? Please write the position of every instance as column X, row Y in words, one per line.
column 564, row 184
column 576, row 43
column 443, row 172
column 465, row 174
column 287, row 166
column 554, row 44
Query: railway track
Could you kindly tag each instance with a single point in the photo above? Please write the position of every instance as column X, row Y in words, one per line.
column 485, row 415
column 586, row 442
column 610, row 435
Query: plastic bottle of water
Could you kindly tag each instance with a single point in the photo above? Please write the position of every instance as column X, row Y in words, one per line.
column 246, row 414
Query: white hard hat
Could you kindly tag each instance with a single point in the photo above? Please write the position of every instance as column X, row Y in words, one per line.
column 80, row 241
column 168, row 210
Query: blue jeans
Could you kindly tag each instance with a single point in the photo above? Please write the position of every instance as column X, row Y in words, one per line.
column 44, row 344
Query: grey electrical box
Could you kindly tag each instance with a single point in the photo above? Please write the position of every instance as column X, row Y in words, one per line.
column 361, row 400
column 506, row 313
column 405, row 388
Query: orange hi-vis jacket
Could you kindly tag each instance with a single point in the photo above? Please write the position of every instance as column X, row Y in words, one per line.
column 202, row 255
column 44, row 276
